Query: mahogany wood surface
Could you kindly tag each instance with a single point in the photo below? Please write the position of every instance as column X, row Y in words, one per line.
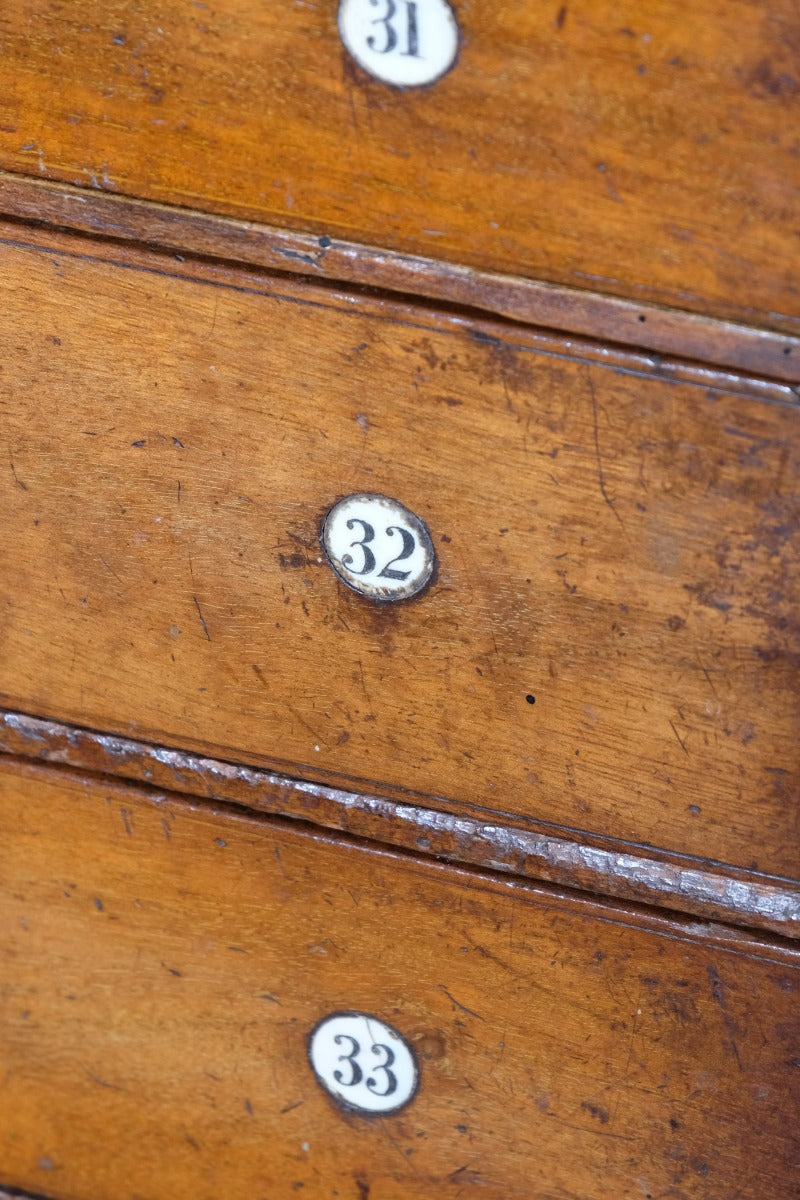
column 163, row 964
column 641, row 150
column 611, row 643
column 600, row 866
column 649, row 327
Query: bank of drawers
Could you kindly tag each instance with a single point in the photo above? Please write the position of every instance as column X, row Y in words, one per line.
column 609, row 645
column 639, row 150
column 164, row 964
column 595, row 689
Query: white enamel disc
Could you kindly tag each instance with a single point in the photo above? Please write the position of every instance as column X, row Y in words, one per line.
column 363, row 1063
column 407, row 43
column 378, row 547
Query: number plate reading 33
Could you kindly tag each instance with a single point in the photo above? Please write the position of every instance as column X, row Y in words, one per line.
column 378, row 548
column 363, row 1063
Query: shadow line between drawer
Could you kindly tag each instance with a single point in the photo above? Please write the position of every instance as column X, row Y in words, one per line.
column 724, row 341
column 715, row 891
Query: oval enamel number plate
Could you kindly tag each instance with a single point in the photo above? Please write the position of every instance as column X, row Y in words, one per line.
column 378, row 547
column 363, row 1063
column 407, row 43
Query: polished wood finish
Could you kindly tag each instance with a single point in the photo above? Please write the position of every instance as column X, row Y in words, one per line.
column 165, row 963
column 615, row 320
column 646, row 151
column 596, row 865
column 542, row 818
column 618, row 547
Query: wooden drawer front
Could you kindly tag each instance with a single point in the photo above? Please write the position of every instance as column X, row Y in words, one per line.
column 640, row 150
column 614, row 546
column 163, row 966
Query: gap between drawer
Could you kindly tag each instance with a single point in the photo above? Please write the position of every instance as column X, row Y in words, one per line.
column 602, row 867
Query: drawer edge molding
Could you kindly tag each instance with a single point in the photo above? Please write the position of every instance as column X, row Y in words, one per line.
column 584, row 862
column 773, row 353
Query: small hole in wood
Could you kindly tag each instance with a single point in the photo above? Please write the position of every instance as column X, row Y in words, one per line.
column 530, row 699
column 642, row 317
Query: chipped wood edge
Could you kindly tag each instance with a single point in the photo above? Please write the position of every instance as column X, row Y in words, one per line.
column 603, row 867
column 771, row 353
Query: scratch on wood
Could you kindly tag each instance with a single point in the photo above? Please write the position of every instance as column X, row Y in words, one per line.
column 463, row 1007
column 259, row 674
column 302, row 721
column 308, row 259
column 598, row 455
column 718, row 994
column 202, row 618
column 680, row 740
column 110, row 569
column 112, row 1087
column 17, row 479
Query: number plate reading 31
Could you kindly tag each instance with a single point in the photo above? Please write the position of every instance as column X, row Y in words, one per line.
column 363, row 1063
column 377, row 547
column 407, row 43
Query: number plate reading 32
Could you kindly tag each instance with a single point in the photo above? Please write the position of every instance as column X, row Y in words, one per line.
column 363, row 1063
column 407, row 43
column 378, row 548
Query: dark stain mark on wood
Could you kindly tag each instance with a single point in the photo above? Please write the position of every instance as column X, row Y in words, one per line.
column 465, row 1174
column 596, row 1110
column 764, row 82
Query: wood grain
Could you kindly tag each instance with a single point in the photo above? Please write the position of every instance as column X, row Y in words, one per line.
column 642, row 151
column 164, row 963
column 648, row 327
column 615, row 545
column 596, row 865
